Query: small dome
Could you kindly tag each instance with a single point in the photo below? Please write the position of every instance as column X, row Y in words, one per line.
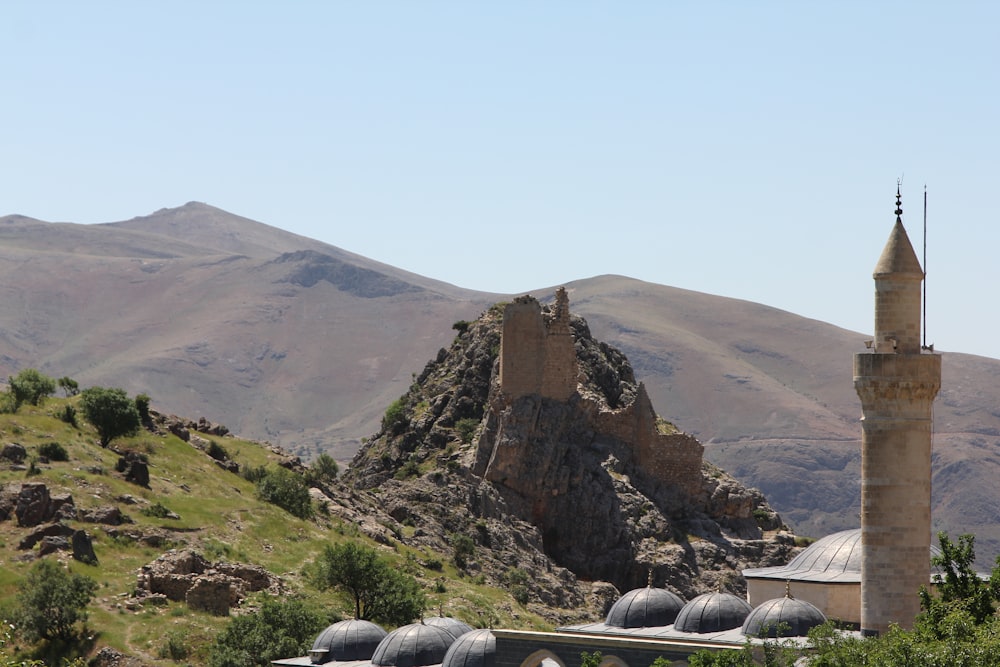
column 346, row 640
column 785, row 617
column 644, row 608
column 414, row 645
column 452, row 625
column 712, row 612
column 477, row 648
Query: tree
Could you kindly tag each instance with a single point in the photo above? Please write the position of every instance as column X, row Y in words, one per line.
column 30, row 386
column 959, row 587
column 279, row 629
column 380, row 592
column 142, row 407
column 287, row 490
column 110, row 411
column 323, row 470
column 69, row 386
column 51, row 601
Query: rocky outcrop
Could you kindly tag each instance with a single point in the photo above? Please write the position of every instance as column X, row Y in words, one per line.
column 568, row 483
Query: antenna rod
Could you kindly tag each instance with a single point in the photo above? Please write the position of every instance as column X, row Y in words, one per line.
column 925, row 266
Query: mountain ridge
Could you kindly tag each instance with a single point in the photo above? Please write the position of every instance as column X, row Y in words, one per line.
column 312, row 368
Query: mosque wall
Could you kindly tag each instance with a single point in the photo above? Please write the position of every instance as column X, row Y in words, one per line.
column 517, row 648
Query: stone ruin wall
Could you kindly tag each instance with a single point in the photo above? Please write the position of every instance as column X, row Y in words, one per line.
column 538, row 357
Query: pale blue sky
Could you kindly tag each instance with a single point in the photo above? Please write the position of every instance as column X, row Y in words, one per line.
column 748, row 149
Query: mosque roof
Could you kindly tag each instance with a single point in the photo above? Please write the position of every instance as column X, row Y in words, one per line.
column 414, row 645
column 782, row 617
column 712, row 612
column 644, row 608
column 834, row 559
column 477, row 648
column 346, row 640
column 452, row 625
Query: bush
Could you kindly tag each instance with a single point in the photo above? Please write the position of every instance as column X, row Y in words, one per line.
column 279, row 629
column 30, row 386
column 175, row 646
column 68, row 415
column 217, row 451
column 324, row 470
column 142, row 406
column 69, row 386
column 464, row 549
column 287, row 490
column 53, row 451
column 466, row 428
column 51, row 602
column 394, row 421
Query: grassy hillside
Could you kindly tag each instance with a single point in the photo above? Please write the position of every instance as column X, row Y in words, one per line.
column 220, row 515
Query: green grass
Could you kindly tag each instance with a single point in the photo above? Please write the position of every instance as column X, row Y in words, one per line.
column 220, row 516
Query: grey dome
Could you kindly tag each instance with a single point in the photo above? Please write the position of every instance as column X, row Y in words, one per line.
column 346, row 640
column 712, row 612
column 452, row 625
column 644, row 608
column 414, row 645
column 477, row 648
column 769, row 617
column 834, row 558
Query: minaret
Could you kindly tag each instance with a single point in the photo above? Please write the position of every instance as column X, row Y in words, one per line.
column 896, row 382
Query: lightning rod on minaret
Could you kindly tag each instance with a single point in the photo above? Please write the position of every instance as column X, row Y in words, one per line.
column 925, row 267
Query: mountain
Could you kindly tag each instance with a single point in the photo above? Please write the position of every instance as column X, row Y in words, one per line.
column 294, row 341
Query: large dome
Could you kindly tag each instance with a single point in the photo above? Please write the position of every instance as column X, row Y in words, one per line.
column 712, row 612
column 782, row 617
column 346, row 640
column 414, row 645
column 834, row 558
column 477, row 648
column 644, row 608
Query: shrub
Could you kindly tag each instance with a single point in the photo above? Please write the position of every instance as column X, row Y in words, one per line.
column 287, row 490
column 461, row 326
column 30, row 386
column 217, row 451
column 323, row 470
column 409, row 469
column 175, row 646
column 142, row 406
column 394, row 421
column 53, row 451
column 68, row 415
column 69, row 386
column 280, row 628
column 466, row 428
column 464, row 549
column 156, row 510
column 51, row 602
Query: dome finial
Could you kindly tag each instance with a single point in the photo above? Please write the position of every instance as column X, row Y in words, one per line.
column 649, row 578
column 788, row 589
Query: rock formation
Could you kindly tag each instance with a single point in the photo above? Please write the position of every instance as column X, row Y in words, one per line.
column 536, row 441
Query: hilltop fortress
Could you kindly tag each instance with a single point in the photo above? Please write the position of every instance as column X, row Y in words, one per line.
column 538, row 357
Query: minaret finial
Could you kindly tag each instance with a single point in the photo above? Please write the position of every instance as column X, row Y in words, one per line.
column 899, row 202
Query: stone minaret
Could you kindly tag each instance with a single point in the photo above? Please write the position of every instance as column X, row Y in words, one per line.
column 897, row 382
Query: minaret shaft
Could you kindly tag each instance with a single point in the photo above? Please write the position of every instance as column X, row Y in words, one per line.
column 897, row 384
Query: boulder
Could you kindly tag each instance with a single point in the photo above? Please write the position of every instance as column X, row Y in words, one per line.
column 83, row 548
column 34, row 504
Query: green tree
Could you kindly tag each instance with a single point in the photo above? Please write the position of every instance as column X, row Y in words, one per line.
column 30, row 386
column 464, row 548
column 69, row 386
column 279, row 629
column 287, row 490
column 380, row 592
column 959, row 588
column 323, row 470
column 51, row 602
column 110, row 411
column 142, row 406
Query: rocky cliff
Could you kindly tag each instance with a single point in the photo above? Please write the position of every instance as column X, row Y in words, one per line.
column 593, row 487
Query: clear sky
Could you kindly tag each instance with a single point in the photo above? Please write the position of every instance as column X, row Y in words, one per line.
column 747, row 149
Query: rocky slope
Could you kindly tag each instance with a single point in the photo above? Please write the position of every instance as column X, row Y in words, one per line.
column 572, row 506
